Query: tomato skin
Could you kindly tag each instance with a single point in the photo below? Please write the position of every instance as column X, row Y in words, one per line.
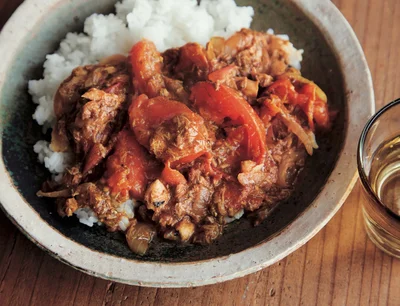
column 145, row 114
column 223, row 74
column 188, row 158
column 284, row 89
column 308, row 90
column 129, row 168
column 146, row 64
column 172, row 177
column 306, row 96
column 225, row 102
column 192, row 55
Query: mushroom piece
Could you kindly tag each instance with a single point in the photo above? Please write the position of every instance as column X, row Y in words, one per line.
column 156, row 195
column 185, row 229
column 139, row 236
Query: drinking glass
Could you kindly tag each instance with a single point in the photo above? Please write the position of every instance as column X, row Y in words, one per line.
column 378, row 160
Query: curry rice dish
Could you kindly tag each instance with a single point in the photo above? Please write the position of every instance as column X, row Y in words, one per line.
column 192, row 138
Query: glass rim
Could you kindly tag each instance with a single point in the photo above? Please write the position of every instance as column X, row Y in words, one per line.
column 361, row 143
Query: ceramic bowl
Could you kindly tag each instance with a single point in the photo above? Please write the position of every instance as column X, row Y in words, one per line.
column 333, row 58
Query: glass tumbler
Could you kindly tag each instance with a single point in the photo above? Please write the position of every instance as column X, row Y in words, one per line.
column 378, row 160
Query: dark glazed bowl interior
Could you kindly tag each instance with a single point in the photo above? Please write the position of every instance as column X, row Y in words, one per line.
column 21, row 133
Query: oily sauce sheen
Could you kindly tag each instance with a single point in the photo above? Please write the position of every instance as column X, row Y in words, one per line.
column 195, row 136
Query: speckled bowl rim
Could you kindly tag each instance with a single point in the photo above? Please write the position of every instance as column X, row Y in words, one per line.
column 360, row 101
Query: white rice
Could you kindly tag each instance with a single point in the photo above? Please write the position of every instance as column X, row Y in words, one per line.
column 123, row 224
column 295, row 56
column 87, row 216
column 128, row 208
column 168, row 23
column 237, row 216
column 56, row 162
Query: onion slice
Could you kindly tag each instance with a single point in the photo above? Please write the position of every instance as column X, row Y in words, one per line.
column 65, row 193
column 306, row 137
column 276, row 107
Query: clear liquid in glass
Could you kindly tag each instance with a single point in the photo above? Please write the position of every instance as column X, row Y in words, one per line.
column 382, row 219
column 384, row 175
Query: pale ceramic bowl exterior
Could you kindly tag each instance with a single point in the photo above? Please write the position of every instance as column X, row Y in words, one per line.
column 359, row 100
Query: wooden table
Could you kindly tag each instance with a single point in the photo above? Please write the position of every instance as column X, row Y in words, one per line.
column 339, row 266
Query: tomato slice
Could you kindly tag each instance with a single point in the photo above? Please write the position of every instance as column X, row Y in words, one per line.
column 129, row 168
column 180, row 142
column 146, row 114
column 146, row 63
column 308, row 96
column 223, row 75
column 171, row 176
column 285, row 90
column 192, row 54
column 222, row 103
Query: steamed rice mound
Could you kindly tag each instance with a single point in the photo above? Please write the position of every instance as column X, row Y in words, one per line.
column 168, row 23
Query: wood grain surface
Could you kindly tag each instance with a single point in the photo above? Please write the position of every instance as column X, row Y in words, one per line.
column 339, row 266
